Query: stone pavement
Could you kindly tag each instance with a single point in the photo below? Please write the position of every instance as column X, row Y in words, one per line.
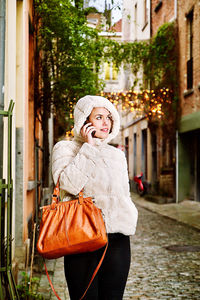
column 187, row 212
column 156, row 273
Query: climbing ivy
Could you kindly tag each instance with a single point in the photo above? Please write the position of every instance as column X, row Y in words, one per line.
column 68, row 59
column 72, row 54
column 157, row 57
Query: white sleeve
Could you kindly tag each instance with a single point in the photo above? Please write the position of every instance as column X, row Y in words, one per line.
column 73, row 168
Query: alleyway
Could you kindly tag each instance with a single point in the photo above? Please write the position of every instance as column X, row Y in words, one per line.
column 156, row 273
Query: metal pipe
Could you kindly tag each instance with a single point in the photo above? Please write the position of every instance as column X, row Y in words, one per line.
column 2, row 67
column 175, row 9
column 177, row 169
column 150, row 19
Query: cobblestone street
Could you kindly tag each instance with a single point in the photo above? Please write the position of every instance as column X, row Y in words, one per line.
column 156, row 273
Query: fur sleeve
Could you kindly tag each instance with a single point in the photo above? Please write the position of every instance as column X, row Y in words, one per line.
column 73, row 166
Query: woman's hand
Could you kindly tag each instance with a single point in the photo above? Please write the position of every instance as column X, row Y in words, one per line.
column 86, row 133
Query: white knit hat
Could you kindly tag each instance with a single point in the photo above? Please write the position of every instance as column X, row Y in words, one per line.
column 83, row 109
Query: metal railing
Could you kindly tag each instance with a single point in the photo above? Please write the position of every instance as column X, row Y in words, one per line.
column 8, row 288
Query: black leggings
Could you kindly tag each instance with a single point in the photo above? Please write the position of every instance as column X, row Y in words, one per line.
column 110, row 281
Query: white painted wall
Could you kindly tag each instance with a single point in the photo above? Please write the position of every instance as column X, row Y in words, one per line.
column 10, row 91
column 133, row 20
column 16, row 88
column 134, row 28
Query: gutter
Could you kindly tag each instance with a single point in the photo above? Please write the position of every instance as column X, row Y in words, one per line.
column 2, row 70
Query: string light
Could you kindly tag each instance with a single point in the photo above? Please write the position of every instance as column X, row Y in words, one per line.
column 69, row 134
column 149, row 103
column 155, row 105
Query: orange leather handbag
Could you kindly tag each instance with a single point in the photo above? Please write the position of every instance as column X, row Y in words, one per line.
column 71, row 227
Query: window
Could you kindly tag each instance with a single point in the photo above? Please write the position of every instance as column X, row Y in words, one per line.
column 190, row 50
column 144, row 153
column 127, row 150
column 135, row 154
column 158, row 6
column 110, row 71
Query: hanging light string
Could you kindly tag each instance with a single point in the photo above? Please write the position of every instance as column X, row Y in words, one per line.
column 152, row 104
column 155, row 105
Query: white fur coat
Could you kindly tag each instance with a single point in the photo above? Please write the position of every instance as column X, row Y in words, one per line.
column 101, row 170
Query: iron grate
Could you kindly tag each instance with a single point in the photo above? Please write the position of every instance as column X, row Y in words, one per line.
column 183, row 248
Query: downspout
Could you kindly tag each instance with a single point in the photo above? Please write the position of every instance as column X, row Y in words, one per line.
column 175, row 9
column 2, row 66
column 150, row 32
column 177, row 133
column 150, row 19
column 177, row 169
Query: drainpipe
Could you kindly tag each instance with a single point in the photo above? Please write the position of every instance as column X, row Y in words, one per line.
column 150, row 16
column 2, row 65
column 177, row 134
column 175, row 9
column 177, row 171
column 150, row 19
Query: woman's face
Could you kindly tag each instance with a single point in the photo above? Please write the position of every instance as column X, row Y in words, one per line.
column 101, row 119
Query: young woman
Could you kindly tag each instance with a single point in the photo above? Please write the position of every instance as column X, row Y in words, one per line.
column 88, row 162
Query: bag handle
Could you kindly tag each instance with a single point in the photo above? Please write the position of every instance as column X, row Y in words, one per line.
column 56, row 194
column 91, row 280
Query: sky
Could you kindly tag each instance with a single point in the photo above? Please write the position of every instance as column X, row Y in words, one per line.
column 100, row 5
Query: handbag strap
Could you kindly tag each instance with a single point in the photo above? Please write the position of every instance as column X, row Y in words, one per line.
column 96, row 270
column 50, row 282
column 92, row 278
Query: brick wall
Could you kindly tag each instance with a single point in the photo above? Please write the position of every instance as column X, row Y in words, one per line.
column 162, row 11
column 190, row 102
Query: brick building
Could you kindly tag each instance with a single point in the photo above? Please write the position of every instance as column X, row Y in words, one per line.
column 146, row 150
column 164, row 155
column 188, row 160
column 162, row 12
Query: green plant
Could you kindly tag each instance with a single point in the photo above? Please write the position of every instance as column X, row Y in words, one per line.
column 68, row 60
column 157, row 57
column 27, row 289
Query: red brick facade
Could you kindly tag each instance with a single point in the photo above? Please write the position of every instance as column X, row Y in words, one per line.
column 162, row 11
column 189, row 98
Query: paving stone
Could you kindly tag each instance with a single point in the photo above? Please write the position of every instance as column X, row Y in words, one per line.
column 159, row 273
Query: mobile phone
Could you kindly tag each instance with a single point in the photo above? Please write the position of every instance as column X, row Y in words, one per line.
column 93, row 133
